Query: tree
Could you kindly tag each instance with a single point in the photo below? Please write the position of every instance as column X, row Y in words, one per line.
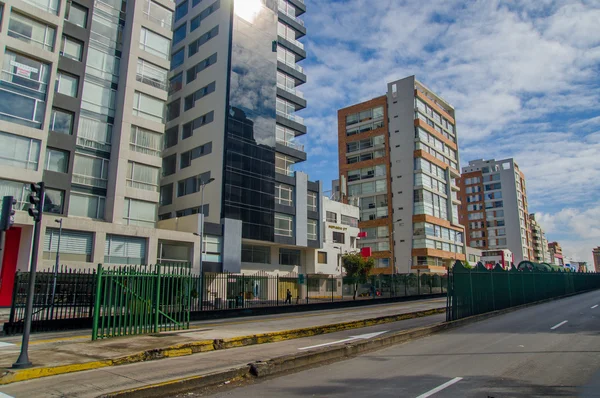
column 358, row 268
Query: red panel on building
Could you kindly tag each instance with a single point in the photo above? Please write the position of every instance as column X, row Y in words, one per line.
column 362, row 235
column 365, row 252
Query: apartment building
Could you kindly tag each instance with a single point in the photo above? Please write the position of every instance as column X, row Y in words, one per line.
column 83, row 89
column 556, row 254
column 398, row 154
column 231, row 125
column 596, row 254
column 494, row 207
column 541, row 253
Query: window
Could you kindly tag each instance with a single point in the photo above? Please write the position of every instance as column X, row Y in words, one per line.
column 284, row 225
column 171, row 137
column 94, row 133
column 143, row 177
column 102, row 65
column 382, row 263
column 53, row 202
column 98, row 98
column 57, row 160
column 74, row 245
column 61, row 121
column 191, row 185
column 177, row 58
column 195, row 22
column 173, row 252
column 179, row 34
column 137, row 212
column 190, row 100
column 199, row 67
column 188, row 128
column 83, row 205
column 91, row 171
column 67, row 84
column 31, row 31
column 71, row 48
column 76, row 14
column 173, row 110
column 311, row 231
column 193, row 210
column 187, row 157
column 24, row 81
column 151, row 74
column 322, row 257
column 176, row 83
column 256, row 254
column 155, row 44
column 350, row 221
column 166, row 195
column 20, row 191
column 331, row 216
column 125, row 250
column 284, row 164
column 181, row 10
column 289, row 257
column 339, row 237
column 169, row 165
column 145, row 141
column 19, row 152
column 157, row 13
column 212, row 247
column 196, row 44
column 148, row 107
column 284, row 194
column 312, row 201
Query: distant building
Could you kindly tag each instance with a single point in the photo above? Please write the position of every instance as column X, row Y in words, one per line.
column 556, row 254
column 473, row 256
column 340, row 230
column 596, row 253
column 504, row 257
column 541, row 253
column 494, row 207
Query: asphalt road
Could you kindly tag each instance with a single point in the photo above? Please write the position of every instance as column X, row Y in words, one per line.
column 546, row 350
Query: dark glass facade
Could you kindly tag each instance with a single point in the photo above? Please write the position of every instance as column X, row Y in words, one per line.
column 249, row 166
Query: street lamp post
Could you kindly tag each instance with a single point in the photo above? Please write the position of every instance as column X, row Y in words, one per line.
column 56, row 264
column 201, row 234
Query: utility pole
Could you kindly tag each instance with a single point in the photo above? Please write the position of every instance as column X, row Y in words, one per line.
column 36, row 199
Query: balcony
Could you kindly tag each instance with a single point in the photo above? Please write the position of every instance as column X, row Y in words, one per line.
column 93, row 144
column 291, row 144
column 297, row 93
column 292, row 16
column 89, row 181
column 291, row 117
column 295, row 42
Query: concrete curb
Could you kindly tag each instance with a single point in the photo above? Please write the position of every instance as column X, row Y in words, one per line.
column 303, row 360
column 9, row 376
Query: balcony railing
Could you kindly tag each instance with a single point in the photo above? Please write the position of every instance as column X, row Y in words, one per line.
column 89, row 180
column 293, row 118
column 293, row 65
column 89, row 143
column 297, row 93
column 294, row 42
column 292, row 145
column 295, row 18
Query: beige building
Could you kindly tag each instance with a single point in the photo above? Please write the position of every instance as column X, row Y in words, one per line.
column 541, row 253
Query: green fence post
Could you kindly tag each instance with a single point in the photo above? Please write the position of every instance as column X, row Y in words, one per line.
column 418, row 282
column 97, row 303
column 493, row 290
column 157, row 299
column 471, row 292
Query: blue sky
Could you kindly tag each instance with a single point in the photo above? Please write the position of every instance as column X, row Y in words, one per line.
column 523, row 76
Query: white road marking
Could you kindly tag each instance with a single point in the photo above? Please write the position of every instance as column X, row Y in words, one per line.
column 595, row 306
column 2, row 344
column 351, row 338
column 2, row 395
column 440, row 388
column 559, row 325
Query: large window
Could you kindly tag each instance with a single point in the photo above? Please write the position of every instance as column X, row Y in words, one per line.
column 179, row 34
column 190, row 100
column 199, row 151
column 53, row 202
column 25, row 82
column 284, row 225
column 331, row 216
column 145, row 141
column 195, row 22
column 169, row 165
column 311, row 201
column 124, row 250
column 31, row 31
column 148, row 107
column 191, row 185
column 171, row 137
column 194, row 46
column 284, row 194
column 177, row 58
column 181, row 10
column 176, row 83
column 50, row 6
column 102, row 65
column 94, row 134
column 57, row 160
column 339, row 237
column 61, row 121
column 20, row 191
column 155, row 44
column 375, row 113
column 151, row 74
column 137, row 212
column 174, row 252
column 368, row 188
column 173, row 110
column 290, row 257
column 284, row 164
column 367, row 173
column 256, row 254
column 199, row 67
column 188, row 128
column 71, row 48
column 143, row 177
column 91, row 171
column 74, row 245
column 67, row 84
column 76, row 14
column 312, row 228
column 212, row 248
column 90, row 206
column 166, row 194
column 430, row 203
column 98, row 98
column 157, row 13
column 19, row 152
column 350, row 221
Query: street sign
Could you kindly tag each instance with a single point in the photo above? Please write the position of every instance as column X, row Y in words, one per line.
column 301, row 279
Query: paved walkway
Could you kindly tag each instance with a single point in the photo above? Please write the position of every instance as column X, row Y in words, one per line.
column 75, row 347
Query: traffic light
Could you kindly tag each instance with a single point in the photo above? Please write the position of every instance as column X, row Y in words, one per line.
column 36, row 198
column 7, row 218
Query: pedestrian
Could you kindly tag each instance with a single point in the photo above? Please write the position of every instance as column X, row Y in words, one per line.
column 288, row 297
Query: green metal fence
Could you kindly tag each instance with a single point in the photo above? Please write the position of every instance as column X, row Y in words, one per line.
column 135, row 300
column 479, row 290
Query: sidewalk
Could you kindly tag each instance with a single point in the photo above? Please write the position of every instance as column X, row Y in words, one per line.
column 76, row 353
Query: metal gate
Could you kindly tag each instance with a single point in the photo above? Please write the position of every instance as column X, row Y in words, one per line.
column 136, row 300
